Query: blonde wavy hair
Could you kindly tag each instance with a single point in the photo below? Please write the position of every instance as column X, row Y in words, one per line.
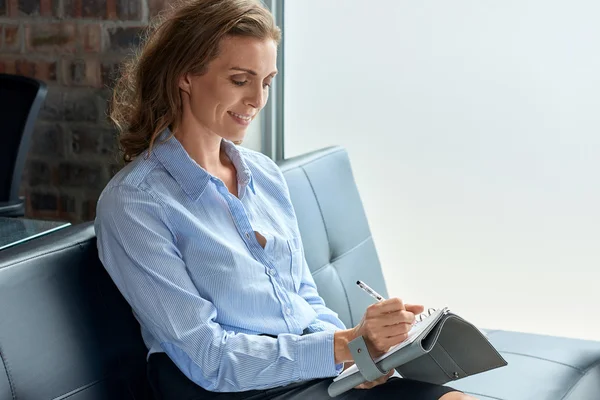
column 182, row 39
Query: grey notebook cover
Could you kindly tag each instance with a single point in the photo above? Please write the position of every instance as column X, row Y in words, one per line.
column 450, row 348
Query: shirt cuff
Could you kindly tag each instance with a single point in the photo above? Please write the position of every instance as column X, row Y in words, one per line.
column 316, row 356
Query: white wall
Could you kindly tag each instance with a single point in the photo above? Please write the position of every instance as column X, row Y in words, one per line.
column 474, row 132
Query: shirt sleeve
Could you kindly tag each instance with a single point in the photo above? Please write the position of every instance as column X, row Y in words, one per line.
column 327, row 319
column 138, row 248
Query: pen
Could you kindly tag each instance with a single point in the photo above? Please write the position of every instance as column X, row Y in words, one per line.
column 369, row 291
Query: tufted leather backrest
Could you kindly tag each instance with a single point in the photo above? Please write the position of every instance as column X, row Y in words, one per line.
column 65, row 330
column 337, row 240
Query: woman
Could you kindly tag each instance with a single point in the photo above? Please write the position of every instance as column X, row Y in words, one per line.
column 200, row 235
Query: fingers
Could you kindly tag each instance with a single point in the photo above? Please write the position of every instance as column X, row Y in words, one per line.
column 386, row 324
column 393, row 305
column 380, row 343
column 380, row 381
column 399, row 317
column 414, row 308
column 389, row 325
column 387, row 306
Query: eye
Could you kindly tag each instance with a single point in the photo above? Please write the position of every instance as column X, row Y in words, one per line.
column 268, row 83
column 238, row 83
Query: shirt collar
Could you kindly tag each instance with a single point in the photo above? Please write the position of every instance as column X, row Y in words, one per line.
column 190, row 175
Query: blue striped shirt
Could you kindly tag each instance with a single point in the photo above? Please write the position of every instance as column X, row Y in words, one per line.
column 182, row 251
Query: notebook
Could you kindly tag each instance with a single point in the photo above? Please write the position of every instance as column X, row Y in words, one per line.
column 421, row 327
column 441, row 347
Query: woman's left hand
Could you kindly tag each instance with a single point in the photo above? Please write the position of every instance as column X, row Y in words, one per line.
column 372, row 384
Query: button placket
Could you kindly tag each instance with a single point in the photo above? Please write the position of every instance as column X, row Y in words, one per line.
column 237, row 210
column 244, row 226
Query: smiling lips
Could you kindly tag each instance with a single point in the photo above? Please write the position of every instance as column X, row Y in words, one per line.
column 241, row 119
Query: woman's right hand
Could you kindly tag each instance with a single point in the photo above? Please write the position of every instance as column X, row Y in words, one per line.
column 384, row 324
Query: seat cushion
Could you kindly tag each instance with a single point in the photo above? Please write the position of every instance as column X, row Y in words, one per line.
column 539, row 367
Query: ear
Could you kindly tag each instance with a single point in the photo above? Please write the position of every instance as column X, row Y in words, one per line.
column 185, row 83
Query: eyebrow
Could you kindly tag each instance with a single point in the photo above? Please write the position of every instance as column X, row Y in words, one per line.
column 251, row 72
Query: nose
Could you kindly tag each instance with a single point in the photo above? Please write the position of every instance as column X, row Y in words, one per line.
column 257, row 98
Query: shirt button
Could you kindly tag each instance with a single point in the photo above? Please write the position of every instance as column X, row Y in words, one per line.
column 272, row 272
column 247, row 235
column 288, row 311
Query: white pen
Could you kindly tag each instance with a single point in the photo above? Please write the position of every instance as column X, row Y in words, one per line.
column 369, row 291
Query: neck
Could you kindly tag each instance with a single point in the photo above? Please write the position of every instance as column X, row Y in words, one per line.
column 202, row 146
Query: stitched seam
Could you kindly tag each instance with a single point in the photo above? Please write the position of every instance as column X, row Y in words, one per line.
column 9, row 377
column 489, row 397
column 591, row 367
column 163, row 206
column 451, row 359
column 314, row 160
column 352, row 249
column 543, row 359
column 56, row 250
column 572, row 389
column 345, row 295
column 318, row 205
column 327, row 234
column 78, row 390
column 320, row 269
column 342, row 255
column 441, row 368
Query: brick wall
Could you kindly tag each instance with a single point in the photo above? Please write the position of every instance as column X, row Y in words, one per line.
column 75, row 46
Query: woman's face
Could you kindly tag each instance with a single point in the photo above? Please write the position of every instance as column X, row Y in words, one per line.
column 234, row 88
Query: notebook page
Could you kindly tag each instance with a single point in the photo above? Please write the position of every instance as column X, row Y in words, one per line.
column 416, row 330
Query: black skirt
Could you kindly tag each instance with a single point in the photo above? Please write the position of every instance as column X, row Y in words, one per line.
column 169, row 383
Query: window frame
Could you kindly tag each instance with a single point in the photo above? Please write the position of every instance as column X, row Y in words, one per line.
column 272, row 118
